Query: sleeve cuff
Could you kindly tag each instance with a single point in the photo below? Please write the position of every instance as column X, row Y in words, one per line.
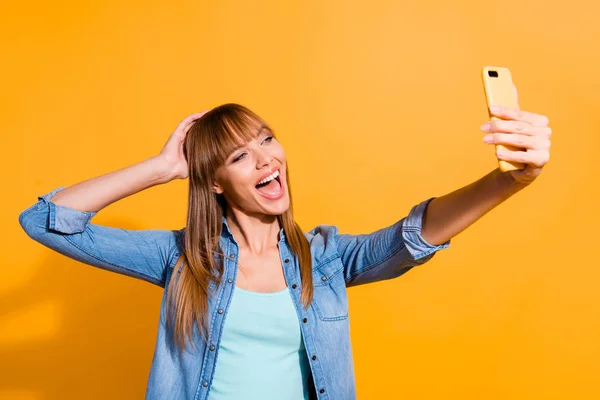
column 411, row 233
column 64, row 219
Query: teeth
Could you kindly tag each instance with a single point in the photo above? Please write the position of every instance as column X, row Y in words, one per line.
column 269, row 178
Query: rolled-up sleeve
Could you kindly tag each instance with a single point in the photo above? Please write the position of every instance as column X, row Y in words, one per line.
column 386, row 253
column 411, row 233
column 63, row 219
column 142, row 254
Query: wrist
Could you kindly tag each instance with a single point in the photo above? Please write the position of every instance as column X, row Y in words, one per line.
column 164, row 171
column 507, row 184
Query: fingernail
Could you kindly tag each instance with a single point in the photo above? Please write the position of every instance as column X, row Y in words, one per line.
column 488, row 138
column 485, row 127
column 494, row 108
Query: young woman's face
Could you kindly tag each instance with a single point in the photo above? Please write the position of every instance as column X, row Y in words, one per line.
column 238, row 179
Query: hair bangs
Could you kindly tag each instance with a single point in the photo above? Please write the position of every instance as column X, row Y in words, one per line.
column 231, row 130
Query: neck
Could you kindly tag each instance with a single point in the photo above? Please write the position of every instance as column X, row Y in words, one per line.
column 256, row 233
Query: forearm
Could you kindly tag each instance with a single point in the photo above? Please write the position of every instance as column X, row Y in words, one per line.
column 448, row 215
column 96, row 193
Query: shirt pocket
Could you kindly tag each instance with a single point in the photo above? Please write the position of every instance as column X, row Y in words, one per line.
column 330, row 299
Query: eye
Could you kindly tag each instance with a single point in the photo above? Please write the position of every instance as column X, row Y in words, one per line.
column 238, row 157
column 270, row 139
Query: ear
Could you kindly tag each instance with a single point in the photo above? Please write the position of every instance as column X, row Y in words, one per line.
column 217, row 188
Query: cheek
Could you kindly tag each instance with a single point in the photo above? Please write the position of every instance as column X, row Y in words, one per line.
column 280, row 152
column 241, row 182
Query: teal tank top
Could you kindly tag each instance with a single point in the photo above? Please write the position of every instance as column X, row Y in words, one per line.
column 261, row 355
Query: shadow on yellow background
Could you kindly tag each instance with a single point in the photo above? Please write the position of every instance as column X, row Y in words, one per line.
column 68, row 331
column 378, row 106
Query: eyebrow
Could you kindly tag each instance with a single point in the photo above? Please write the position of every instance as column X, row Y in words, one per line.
column 260, row 131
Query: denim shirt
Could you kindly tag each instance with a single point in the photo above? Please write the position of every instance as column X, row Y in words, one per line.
column 339, row 261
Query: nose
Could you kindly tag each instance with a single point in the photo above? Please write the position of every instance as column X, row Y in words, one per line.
column 264, row 159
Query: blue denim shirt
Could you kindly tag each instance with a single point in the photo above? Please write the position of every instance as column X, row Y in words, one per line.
column 339, row 261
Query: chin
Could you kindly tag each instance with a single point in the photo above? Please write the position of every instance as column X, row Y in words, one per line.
column 278, row 209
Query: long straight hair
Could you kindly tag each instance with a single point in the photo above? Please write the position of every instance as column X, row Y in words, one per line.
column 208, row 143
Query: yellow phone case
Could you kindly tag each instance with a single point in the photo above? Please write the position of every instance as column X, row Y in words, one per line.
column 499, row 90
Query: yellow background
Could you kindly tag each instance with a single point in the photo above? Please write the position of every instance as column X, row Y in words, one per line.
column 378, row 105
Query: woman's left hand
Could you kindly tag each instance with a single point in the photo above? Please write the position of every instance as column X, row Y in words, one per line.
column 524, row 130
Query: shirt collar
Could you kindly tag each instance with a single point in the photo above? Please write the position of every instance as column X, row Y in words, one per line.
column 227, row 231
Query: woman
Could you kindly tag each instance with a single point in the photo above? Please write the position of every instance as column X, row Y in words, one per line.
column 279, row 329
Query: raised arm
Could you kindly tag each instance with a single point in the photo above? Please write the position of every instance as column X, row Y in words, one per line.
column 429, row 227
column 388, row 252
column 452, row 213
column 60, row 220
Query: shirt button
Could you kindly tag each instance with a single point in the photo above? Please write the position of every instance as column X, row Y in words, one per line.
column 205, row 384
column 287, row 260
column 305, row 320
column 314, row 358
column 323, row 278
column 232, row 256
column 322, row 391
column 294, row 286
column 212, row 348
column 229, row 280
column 220, row 311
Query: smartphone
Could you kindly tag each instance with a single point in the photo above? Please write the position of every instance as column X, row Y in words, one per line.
column 500, row 90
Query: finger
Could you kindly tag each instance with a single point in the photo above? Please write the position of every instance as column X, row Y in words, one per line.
column 512, row 139
column 187, row 122
column 534, row 158
column 189, row 125
column 519, row 141
column 521, row 127
column 515, row 114
column 193, row 117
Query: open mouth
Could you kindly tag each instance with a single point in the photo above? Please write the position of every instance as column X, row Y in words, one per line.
column 271, row 186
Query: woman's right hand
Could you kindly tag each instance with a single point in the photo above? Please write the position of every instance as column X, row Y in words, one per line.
column 172, row 153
